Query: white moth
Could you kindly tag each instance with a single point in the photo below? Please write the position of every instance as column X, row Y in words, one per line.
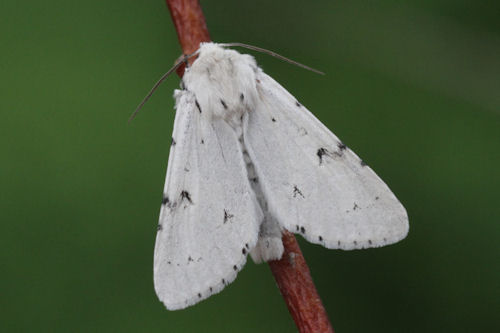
column 247, row 161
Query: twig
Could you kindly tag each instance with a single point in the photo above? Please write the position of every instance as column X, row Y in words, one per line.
column 190, row 25
column 297, row 287
column 290, row 272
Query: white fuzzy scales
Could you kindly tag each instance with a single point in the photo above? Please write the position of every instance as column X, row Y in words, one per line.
column 247, row 161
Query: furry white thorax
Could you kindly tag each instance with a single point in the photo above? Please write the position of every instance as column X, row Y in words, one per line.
column 224, row 78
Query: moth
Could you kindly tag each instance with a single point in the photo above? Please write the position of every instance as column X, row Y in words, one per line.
column 247, row 161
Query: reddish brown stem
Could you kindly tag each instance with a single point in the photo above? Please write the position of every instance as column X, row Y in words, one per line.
column 297, row 287
column 190, row 25
column 291, row 272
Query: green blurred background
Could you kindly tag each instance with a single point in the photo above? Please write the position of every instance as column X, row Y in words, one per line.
column 412, row 88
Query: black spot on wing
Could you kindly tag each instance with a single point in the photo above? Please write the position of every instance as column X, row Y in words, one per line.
column 355, row 206
column 362, row 163
column 187, row 196
column 244, row 251
column 341, row 148
column 173, row 143
column 160, row 227
column 165, row 200
column 199, row 295
column 242, row 97
column 298, row 104
column 197, row 105
column 227, row 216
column 321, row 152
column 303, row 230
column 297, row 191
column 223, row 104
column 320, row 238
column 235, row 267
column 202, row 141
column 274, row 120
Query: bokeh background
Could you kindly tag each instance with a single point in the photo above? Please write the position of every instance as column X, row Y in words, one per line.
column 413, row 87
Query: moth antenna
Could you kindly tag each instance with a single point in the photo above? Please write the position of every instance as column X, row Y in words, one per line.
column 271, row 53
column 183, row 59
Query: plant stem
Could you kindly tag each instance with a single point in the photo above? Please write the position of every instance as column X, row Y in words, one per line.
column 297, row 288
column 290, row 272
column 190, row 25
